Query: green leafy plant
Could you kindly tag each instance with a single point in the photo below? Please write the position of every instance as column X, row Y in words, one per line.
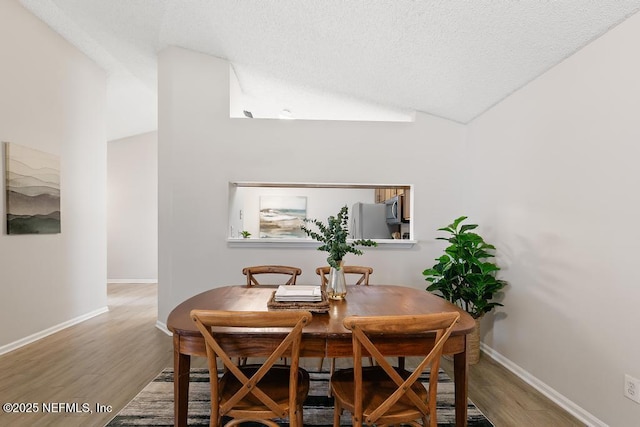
column 333, row 236
column 245, row 234
column 463, row 275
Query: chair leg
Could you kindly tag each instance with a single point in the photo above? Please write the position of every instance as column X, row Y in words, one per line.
column 299, row 416
column 337, row 411
column 332, row 369
column 320, row 364
column 401, row 362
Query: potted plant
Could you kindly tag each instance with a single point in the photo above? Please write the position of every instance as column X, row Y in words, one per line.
column 245, row 234
column 465, row 276
column 333, row 236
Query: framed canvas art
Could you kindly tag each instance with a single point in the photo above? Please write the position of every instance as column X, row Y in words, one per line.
column 282, row 216
column 32, row 190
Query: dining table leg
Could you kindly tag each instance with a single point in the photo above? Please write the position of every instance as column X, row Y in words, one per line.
column 181, row 369
column 461, row 381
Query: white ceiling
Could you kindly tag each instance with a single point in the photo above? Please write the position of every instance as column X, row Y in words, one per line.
column 450, row 58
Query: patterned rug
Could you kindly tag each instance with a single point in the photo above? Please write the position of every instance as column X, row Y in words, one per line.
column 153, row 406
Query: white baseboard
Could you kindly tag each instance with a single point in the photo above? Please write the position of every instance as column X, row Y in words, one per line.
column 52, row 330
column 559, row 399
column 132, row 280
column 163, row 327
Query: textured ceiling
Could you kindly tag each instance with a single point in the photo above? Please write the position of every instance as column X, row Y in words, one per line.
column 452, row 59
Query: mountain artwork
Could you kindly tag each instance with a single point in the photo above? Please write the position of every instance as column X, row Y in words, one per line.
column 32, row 191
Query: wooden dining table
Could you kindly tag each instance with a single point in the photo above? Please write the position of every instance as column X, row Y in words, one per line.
column 325, row 336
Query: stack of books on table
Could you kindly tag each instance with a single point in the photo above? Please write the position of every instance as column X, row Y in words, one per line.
column 298, row 293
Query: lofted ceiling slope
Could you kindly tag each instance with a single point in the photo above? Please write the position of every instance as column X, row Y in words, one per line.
column 452, row 59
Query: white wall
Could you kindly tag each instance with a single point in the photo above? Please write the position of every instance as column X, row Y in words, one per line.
column 201, row 150
column 52, row 100
column 132, row 209
column 550, row 174
column 555, row 186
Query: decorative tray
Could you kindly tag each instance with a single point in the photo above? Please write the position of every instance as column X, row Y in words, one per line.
column 314, row 307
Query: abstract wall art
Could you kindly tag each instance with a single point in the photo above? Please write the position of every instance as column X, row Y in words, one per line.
column 32, row 190
column 282, row 216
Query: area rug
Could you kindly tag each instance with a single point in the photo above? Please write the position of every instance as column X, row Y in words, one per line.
column 153, row 406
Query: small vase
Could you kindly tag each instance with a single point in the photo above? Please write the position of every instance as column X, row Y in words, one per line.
column 337, row 286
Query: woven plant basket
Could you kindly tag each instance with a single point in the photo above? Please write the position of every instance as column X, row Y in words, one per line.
column 473, row 344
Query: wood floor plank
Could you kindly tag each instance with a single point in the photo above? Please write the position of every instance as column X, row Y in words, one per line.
column 508, row 401
column 107, row 359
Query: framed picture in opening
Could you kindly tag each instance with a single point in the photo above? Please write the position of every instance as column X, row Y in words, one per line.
column 282, row 216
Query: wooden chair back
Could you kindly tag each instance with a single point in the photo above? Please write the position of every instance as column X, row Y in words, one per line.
column 251, row 272
column 364, row 273
column 402, row 404
column 240, row 394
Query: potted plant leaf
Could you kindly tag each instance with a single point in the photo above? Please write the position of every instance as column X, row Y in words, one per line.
column 465, row 276
column 333, row 236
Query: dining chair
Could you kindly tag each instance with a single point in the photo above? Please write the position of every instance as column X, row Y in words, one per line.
column 382, row 394
column 363, row 279
column 251, row 272
column 258, row 392
column 276, row 270
column 364, row 273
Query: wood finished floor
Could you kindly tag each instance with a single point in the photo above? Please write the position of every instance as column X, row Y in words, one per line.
column 108, row 359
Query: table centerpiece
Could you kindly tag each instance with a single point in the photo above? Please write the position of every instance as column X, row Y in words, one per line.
column 333, row 236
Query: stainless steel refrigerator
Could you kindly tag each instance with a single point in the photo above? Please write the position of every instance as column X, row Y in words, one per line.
column 368, row 221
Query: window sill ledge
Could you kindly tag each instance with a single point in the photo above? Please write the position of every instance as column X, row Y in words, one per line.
column 301, row 243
